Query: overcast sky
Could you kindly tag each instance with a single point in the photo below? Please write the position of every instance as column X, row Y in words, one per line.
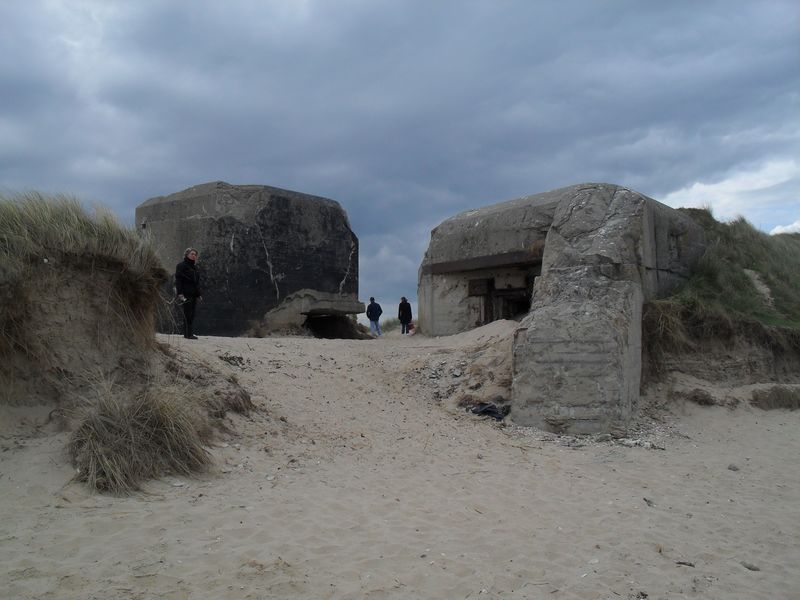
column 405, row 111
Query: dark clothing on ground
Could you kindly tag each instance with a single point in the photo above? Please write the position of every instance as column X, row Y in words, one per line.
column 404, row 314
column 187, row 284
column 491, row 410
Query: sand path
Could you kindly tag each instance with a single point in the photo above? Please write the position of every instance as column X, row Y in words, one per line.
column 350, row 481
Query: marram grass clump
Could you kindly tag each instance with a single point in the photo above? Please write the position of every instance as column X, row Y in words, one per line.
column 34, row 226
column 50, row 236
column 120, row 443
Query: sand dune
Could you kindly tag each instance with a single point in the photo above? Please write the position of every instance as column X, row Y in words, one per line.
column 353, row 481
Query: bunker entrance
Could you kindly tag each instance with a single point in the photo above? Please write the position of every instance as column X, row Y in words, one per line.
column 500, row 297
column 333, row 327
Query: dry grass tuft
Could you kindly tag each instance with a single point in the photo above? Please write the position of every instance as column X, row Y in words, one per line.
column 776, row 397
column 218, row 396
column 674, row 326
column 664, row 332
column 238, row 400
column 222, row 401
column 121, row 443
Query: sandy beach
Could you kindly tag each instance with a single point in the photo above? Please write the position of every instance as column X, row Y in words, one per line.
column 354, row 479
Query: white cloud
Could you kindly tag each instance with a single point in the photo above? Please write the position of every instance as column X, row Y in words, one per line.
column 739, row 193
column 793, row 228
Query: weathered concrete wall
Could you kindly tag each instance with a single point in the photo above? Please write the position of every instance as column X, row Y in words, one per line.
column 258, row 246
column 577, row 357
column 606, row 250
column 671, row 245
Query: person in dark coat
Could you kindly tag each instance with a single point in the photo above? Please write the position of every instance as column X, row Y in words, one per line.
column 374, row 312
column 404, row 314
column 187, row 287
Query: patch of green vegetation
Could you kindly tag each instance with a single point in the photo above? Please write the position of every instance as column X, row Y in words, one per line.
column 721, row 281
column 746, row 284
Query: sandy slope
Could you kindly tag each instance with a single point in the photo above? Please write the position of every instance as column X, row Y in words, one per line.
column 351, row 481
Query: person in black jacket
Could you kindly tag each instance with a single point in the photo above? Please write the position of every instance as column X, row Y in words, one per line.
column 374, row 312
column 187, row 287
column 404, row 314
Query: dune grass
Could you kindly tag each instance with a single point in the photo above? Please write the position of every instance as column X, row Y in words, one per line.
column 720, row 278
column 721, row 301
column 126, row 431
column 121, row 442
column 123, row 434
column 41, row 234
column 390, row 324
column 34, row 225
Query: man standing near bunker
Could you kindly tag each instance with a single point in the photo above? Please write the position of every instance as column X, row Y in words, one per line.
column 374, row 312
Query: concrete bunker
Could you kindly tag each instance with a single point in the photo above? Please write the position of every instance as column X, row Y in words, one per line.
column 271, row 259
column 592, row 254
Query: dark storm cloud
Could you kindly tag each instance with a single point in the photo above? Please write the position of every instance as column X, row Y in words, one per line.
column 405, row 112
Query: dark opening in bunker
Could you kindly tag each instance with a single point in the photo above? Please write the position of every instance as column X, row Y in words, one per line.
column 493, row 298
column 333, row 327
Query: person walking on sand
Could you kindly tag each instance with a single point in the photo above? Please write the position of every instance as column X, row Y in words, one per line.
column 404, row 314
column 187, row 287
column 374, row 312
